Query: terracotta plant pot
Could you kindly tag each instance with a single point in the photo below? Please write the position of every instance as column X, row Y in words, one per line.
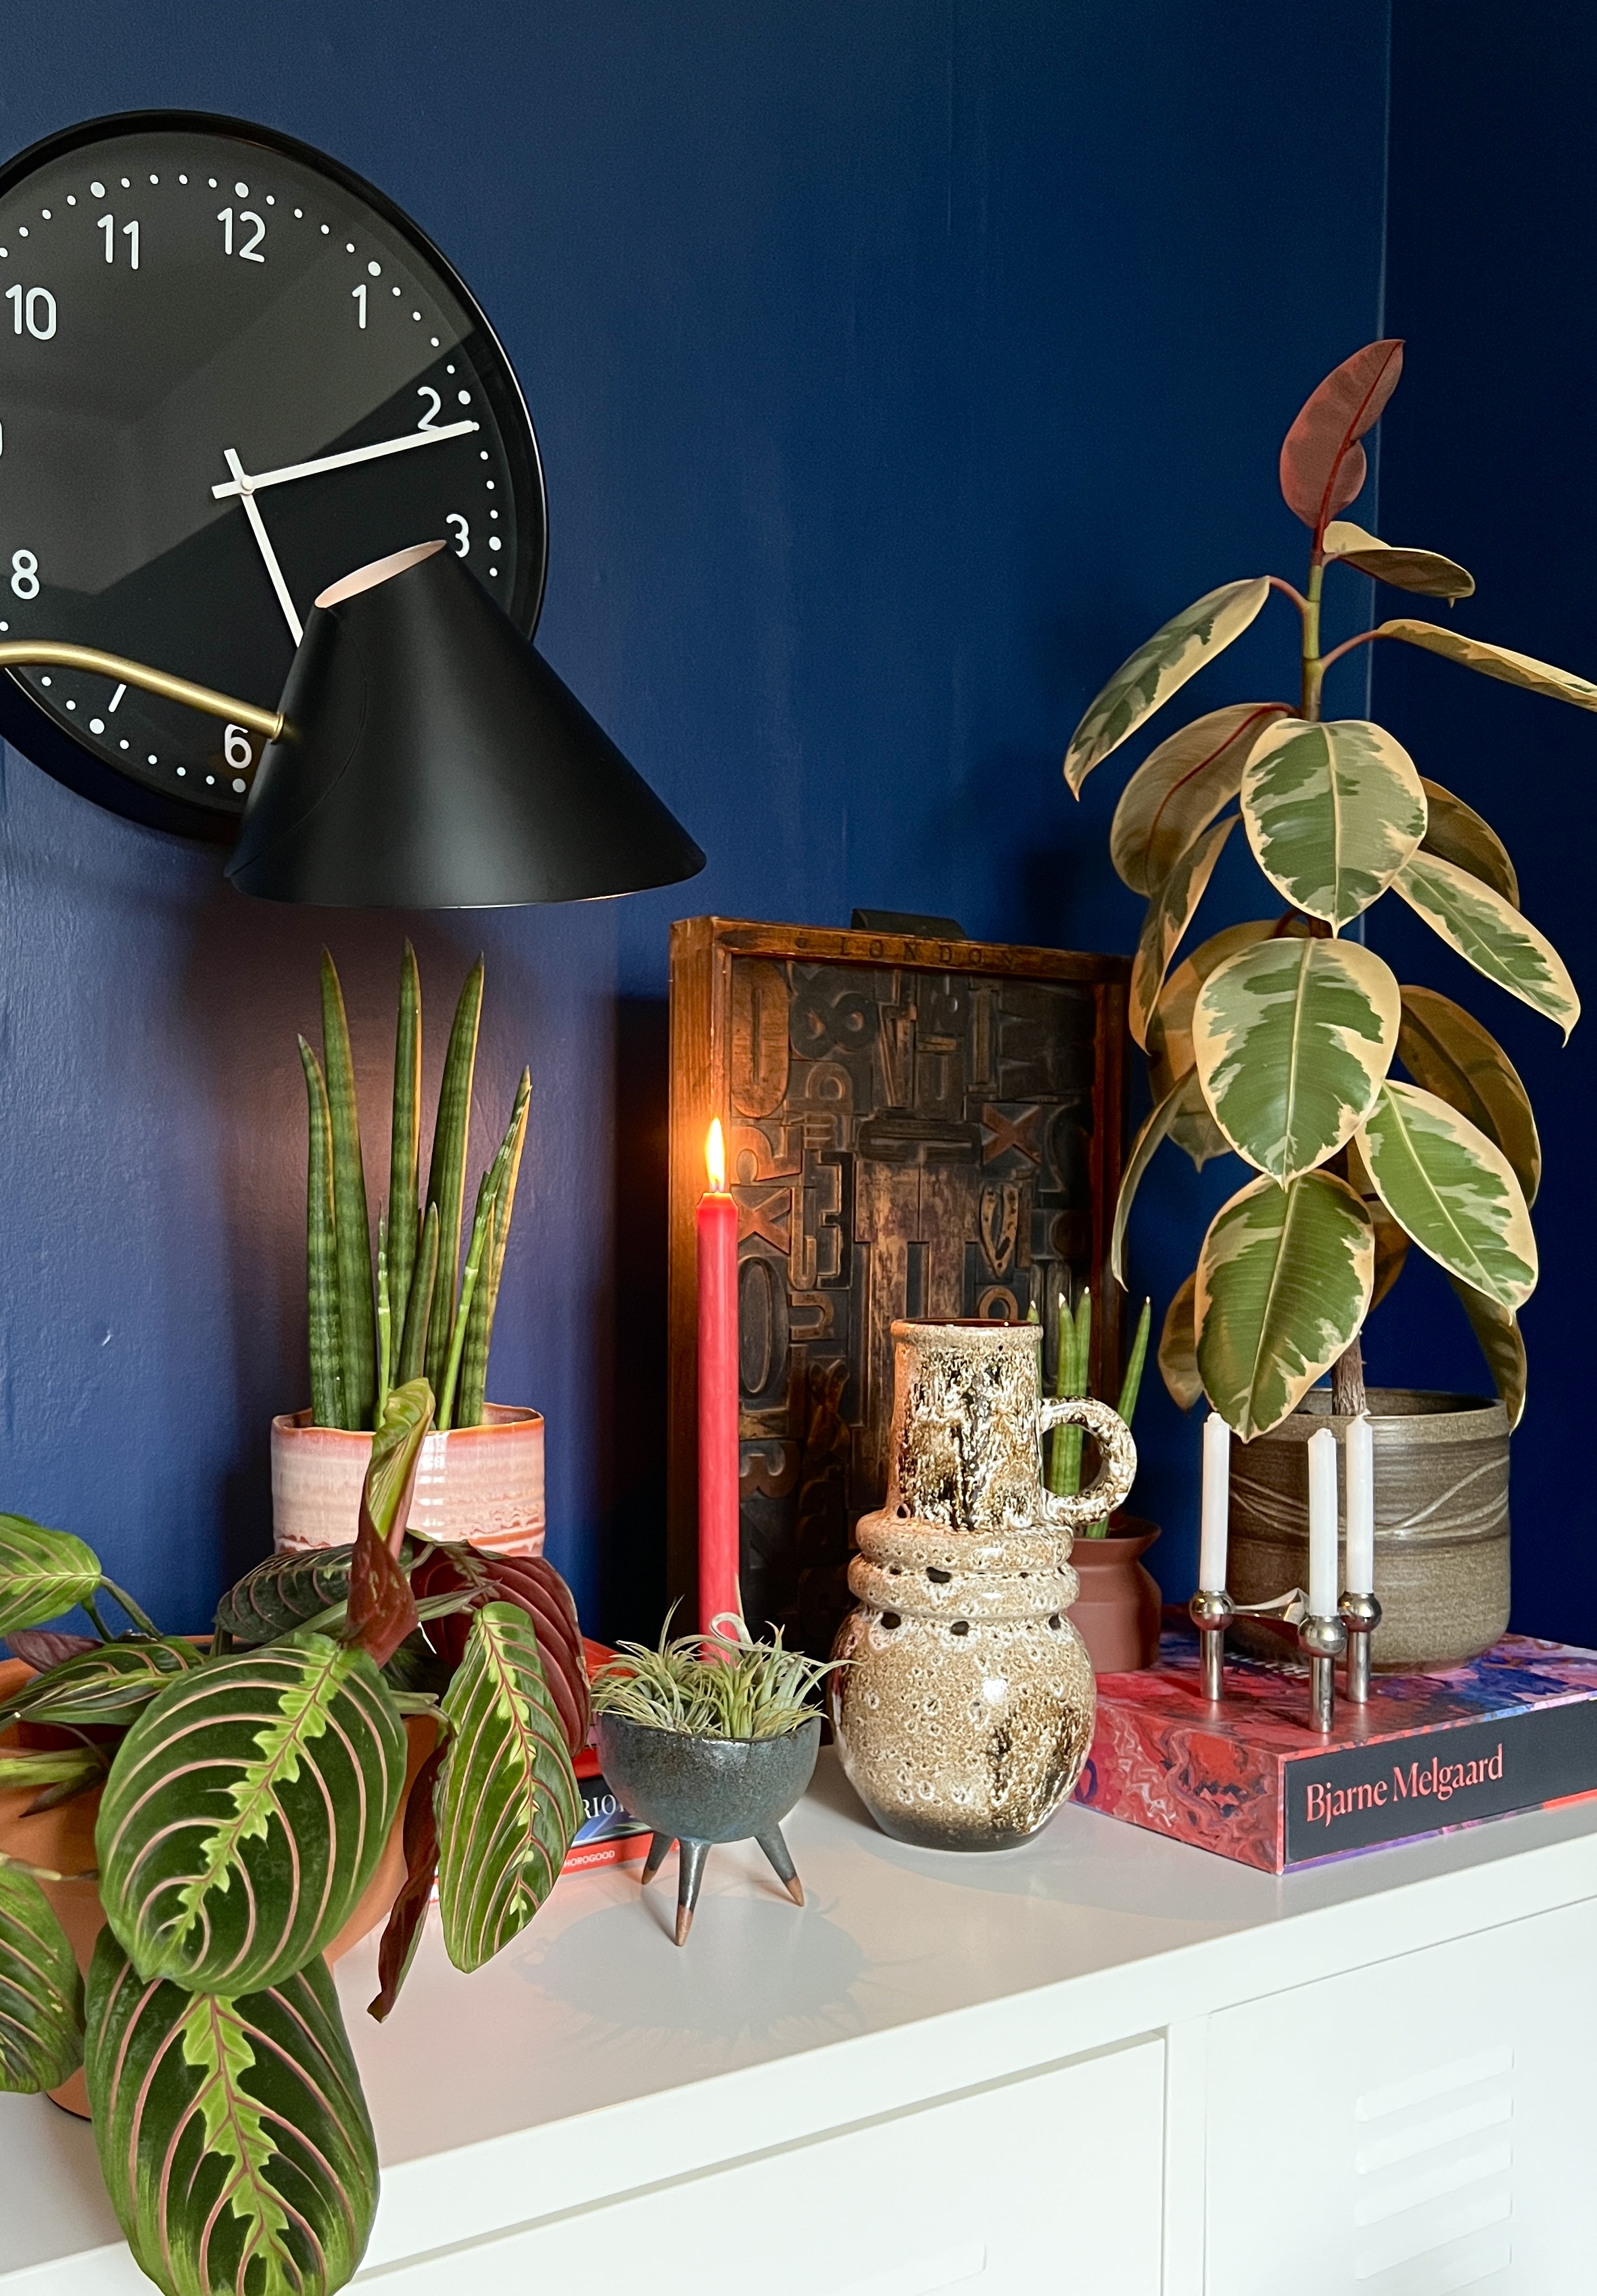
column 481, row 1483
column 1116, row 1613
column 1441, row 1522
column 63, row 1840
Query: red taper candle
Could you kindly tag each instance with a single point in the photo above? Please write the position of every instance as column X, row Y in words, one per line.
column 717, row 1224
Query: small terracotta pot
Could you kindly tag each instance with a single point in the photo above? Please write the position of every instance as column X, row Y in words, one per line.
column 481, row 1483
column 63, row 1840
column 1116, row 1613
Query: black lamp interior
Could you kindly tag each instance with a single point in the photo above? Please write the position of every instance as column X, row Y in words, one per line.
column 433, row 760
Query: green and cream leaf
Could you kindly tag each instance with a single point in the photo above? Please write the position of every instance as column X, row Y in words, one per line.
column 507, row 1799
column 1456, row 833
column 41, row 1994
column 1180, row 787
column 1185, row 1092
column 1160, row 668
column 1490, row 934
column 232, row 2135
column 1426, row 572
column 1332, row 812
column 1496, row 661
column 1453, row 1190
column 1178, row 1348
column 1284, row 1280
column 1503, row 1344
column 1169, row 913
column 246, row 1811
column 42, row 1573
column 1448, row 1052
column 1292, row 1039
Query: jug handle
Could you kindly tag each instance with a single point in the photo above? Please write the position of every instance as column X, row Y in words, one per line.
column 1117, row 1454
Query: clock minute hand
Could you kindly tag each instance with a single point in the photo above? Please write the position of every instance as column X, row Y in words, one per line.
column 241, row 483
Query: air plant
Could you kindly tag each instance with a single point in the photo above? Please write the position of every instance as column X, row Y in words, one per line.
column 373, row 1328
column 1071, row 1378
column 722, row 1685
column 247, row 1792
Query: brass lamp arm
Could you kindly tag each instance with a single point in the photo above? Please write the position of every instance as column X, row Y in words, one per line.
column 25, row 653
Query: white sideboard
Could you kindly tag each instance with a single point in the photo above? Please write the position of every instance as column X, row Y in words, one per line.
column 1102, row 2063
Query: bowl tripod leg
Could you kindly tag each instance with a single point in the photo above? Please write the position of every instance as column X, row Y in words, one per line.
column 778, row 1851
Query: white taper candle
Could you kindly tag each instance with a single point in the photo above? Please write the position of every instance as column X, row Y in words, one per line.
column 1216, row 1505
column 1359, row 1481
column 1322, row 1524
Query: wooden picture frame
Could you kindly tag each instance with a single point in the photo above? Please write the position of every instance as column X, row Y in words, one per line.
column 914, row 1127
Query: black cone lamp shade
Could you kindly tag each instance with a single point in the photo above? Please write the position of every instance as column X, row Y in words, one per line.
column 431, row 759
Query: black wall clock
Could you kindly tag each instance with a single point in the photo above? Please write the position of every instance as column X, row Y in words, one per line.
column 230, row 371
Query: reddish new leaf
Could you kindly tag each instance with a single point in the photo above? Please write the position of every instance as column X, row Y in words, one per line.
column 537, row 1588
column 1323, row 464
column 41, row 1647
column 403, row 1933
column 382, row 1608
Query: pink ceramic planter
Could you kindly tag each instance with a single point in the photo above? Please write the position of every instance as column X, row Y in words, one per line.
column 481, row 1483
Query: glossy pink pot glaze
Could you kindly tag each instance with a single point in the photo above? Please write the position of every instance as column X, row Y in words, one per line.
column 481, row 1483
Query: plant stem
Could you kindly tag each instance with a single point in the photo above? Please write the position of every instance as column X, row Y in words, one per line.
column 1348, row 1397
column 1313, row 667
column 141, row 1619
column 96, row 1621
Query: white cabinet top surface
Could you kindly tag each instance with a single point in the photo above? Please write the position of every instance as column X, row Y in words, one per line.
column 594, row 2056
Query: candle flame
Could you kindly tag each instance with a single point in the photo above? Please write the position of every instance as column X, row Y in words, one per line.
column 715, row 1157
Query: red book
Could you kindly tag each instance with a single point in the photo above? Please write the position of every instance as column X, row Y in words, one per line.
column 1251, row 1779
column 608, row 1835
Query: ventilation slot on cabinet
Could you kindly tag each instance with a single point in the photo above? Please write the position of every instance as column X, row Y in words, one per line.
column 1434, row 2157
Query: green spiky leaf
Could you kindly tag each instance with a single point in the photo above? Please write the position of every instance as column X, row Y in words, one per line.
column 357, row 1322
column 321, row 1255
column 232, row 1866
column 232, row 2135
column 507, row 1800
column 446, row 1177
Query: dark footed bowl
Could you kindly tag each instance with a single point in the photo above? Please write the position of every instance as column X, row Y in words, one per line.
column 706, row 1789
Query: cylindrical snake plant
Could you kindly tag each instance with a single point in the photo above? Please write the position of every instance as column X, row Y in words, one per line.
column 416, row 1312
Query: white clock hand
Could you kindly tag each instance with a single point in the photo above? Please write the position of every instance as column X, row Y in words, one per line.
column 241, row 484
column 245, row 489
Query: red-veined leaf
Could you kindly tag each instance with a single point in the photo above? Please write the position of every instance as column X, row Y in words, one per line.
column 246, row 1811
column 507, row 1800
column 533, row 1584
column 232, row 2135
column 42, row 1573
column 41, row 1994
column 1322, row 466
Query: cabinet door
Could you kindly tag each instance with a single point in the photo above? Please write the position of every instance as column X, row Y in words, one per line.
column 1053, row 2183
column 1425, row 2125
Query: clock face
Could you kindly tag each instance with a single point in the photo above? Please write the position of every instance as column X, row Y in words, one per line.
column 230, row 373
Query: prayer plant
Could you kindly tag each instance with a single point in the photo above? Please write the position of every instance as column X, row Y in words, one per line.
column 1276, row 1039
column 246, row 1794
column 409, row 1321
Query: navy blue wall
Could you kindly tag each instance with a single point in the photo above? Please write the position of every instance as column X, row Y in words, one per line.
column 897, row 369
column 1487, row 455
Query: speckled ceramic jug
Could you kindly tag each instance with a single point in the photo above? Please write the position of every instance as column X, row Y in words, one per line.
column 964, row 1709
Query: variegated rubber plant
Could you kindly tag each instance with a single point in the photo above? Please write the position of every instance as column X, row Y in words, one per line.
column 408, row 1318
column 1277, row 1039
column 246, row 1794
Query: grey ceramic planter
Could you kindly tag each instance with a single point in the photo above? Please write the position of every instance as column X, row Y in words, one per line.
column 697, row 1791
